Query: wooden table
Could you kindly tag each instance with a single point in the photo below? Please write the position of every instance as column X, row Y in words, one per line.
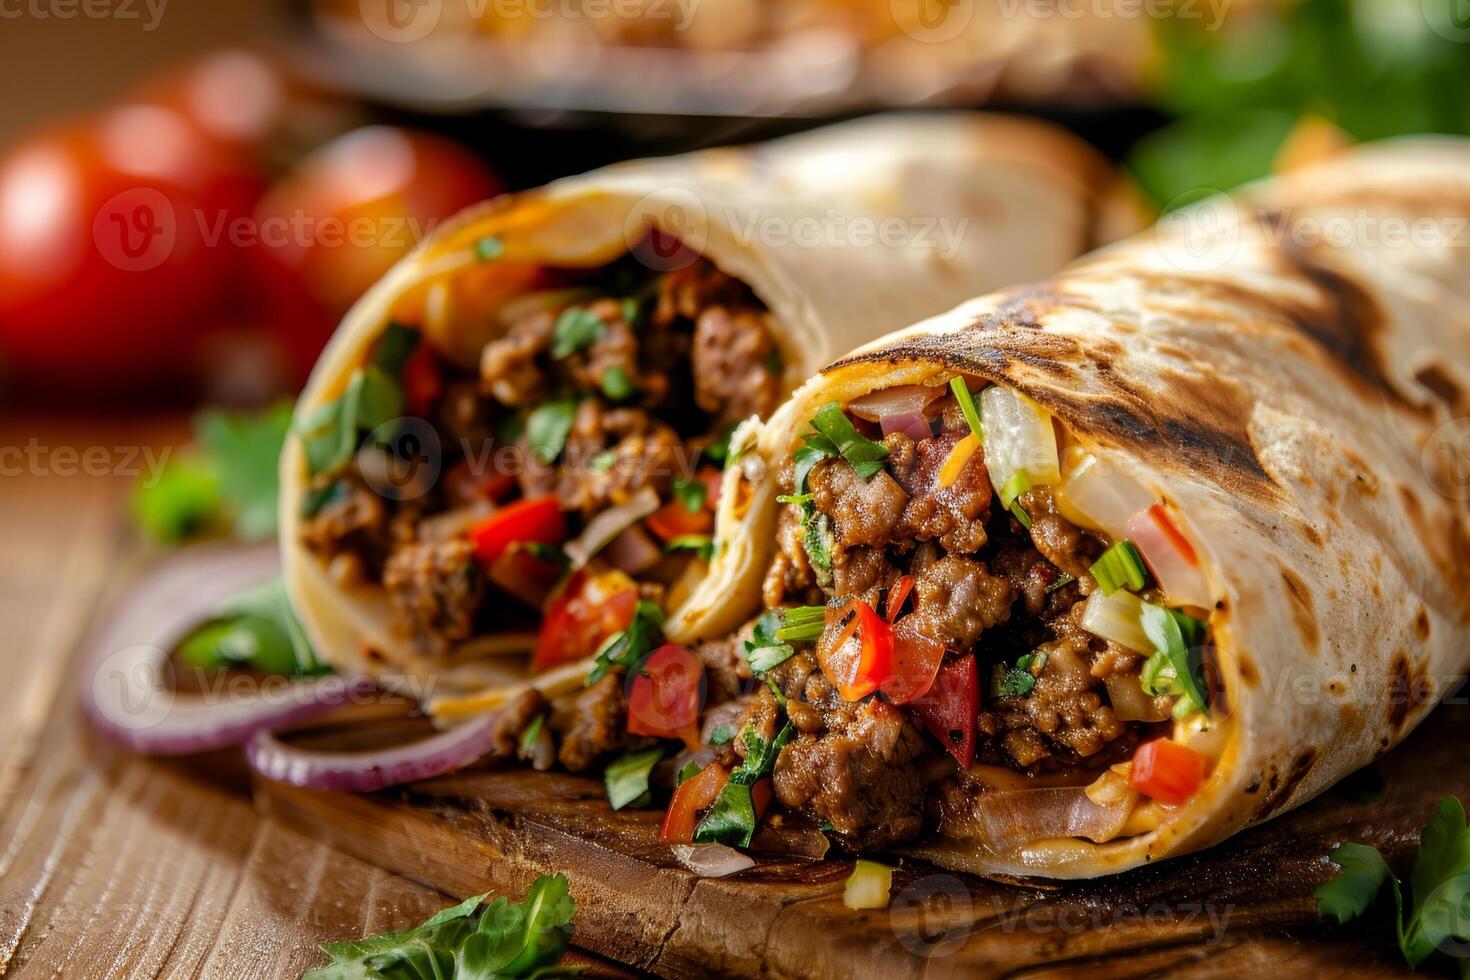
column 118, row 866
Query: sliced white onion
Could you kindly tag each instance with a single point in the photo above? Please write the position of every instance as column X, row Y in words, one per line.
column 1203, row 733
column 364, row 772
column 901, row 400
column 1178, row 573
column 868, row 886
column 1096, row 495
column 1117, row 617
column 124, row 681
column 1018, row 438
column 712, row 860
column 1014, row 818
column 633, row 551
column 609, row 524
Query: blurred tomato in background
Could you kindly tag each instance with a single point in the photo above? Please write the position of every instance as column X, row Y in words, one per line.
column 184, row 234
column 339, row 219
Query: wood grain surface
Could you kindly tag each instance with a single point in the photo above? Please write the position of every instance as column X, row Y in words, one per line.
column 116, row 866
column 113, row 866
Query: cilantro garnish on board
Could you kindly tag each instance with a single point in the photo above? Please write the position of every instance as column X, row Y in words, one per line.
column 465, row 942
column 1439, row 885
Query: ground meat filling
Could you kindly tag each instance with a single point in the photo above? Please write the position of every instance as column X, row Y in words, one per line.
column 982, row 583
column 645, row 372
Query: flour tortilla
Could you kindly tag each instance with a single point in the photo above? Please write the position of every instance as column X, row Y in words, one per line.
column 983, row 201
column 1289, row 369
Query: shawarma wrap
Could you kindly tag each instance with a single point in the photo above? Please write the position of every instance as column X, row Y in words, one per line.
column 548, row 384
column 1133, row 558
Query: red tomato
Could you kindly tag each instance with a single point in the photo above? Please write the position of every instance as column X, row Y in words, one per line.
column 897, row 596
column 1167, row 771
column 423, row 381
column 690, row 797
column 916, row 660
column 673, row 519
column 350, row 210
column 949, row 708
column 588, row 610
column 535, row 520
column 116, row 247
column 665, row 697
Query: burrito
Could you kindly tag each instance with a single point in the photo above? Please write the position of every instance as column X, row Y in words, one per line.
column 516, row 441
column 1091, row 573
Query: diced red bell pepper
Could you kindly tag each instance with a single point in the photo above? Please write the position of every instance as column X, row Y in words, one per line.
column 665, row 698
column 587, row 610
column 673, row 520
column 691, row 797
column 916, row 660
column 949, row 707
column 1167, row 771
column 858, row 674
column 897, row 596
column 535, row 520
column 423, row 382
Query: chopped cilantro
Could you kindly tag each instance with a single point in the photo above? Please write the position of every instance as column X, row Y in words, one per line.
column 576, row 329
column 1439, row 885
column 764, row 650
column 721, row 735
column 1175, row 636
column 504, row 939
column 616, row 385
column 627, row 648
column 687, row 772
column 731, row 820
column 548, row 426
column 864, row 454
column 701, row 544
column 691, row 493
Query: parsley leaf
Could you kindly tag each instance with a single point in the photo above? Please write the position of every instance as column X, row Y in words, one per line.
column 819, row 541
column 503, row 939
column 548, row 426
column 731, row 820
column 1439, row 885
column 616, row 384
column 721, row 735
column 864, row 454
column 228, row 479
column 374, row 395
column 627, row 648
column 576, row 329
column 815, row 448
column 691, row 493
column 256, row 628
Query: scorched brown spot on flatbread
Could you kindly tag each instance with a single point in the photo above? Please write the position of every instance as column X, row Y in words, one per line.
column 1410, row 689
column 1438, row 382
column 1279, row 790
column 1301, row 606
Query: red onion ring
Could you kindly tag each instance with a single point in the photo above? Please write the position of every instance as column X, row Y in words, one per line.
column 915, row 425
column 122, row 683
column 364, row 772
column 712, row 860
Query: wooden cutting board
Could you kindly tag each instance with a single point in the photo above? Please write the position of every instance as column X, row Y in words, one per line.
column 1246, row 905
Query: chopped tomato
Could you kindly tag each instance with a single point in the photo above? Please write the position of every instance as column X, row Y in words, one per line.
column 1167, row 771
column 665, row 697
column 674, row 520
column 423, row 381
column 858, row 674
column 690, row 797
column 1170, row 557
column 916, row 660
column 949, row 707
column 536, row 520
column 588, row 610
column 897, row 596
column 760, row 795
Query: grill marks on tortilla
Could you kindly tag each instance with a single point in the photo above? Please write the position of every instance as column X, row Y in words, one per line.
column 1301, row 606
column 1279, row 790
column 1410, row 689
column 1198, row 420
